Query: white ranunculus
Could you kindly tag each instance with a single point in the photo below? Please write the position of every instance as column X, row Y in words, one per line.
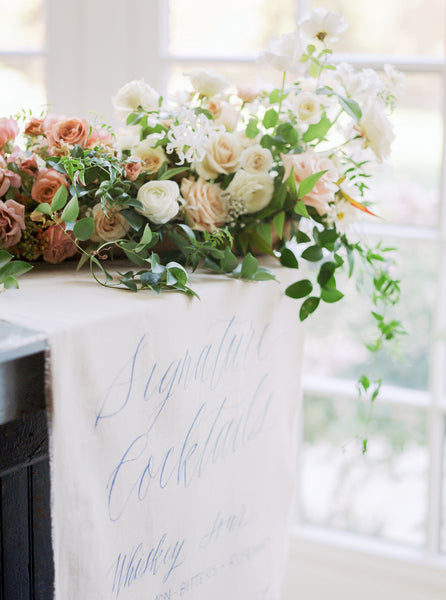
column 377, row 130
column 394, row 81
column 254, row 192
column 256, row 159
column 207, row 83
column 133, row 95
column 307, row 107
column 159, row 200
column 284, row 53
column 323, row 26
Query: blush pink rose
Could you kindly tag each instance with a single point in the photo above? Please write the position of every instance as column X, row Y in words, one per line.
column 57, row 244
column 8, row 130
column 306, row 164
column 204, row 206
column 133, row 168
column 47, row 182
column 12, row 222
column 7, row 178
column 68, row 131
column 99, row 137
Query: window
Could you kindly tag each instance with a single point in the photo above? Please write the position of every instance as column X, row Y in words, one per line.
column 22, row 79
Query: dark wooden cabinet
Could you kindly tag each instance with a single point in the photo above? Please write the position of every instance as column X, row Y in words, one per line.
column 26, row 562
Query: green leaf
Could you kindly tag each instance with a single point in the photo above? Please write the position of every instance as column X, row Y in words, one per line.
column 146, row 238
column 313, row 253
column 264, row 276
column 77, row 152
column 59, row 199
column 264, row 231
column 14, row 269
column 278, row 222
column 11, row 283
column 84, row 228
column 134, row 219
column 330, row 295
column 71, row 211
column 302, row 238
column 288, row 133
column 326, row 273
column 291, row 184
column 317, row 131
column 249, row 266
column 173, row 172
column 44, row 208
column 5, row 257
column 229, row 261
column 299, row 289
column 351, row 107
column 267, row 141
column 270, row 119
column 308, row 306
column 301, row 209
column 252, row 129
column 288, row 259
column 307, row 184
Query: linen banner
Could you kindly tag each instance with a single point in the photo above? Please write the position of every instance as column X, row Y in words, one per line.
column 172, row 426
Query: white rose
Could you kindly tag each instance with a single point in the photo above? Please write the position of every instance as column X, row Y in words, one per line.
column 159, row 201
column 377, row 130
column 253, row 191
column 222, row 156
column 127, row 137
column 224, row 114
column 207, row 83
column 323, row 26
column 110, row 226
column 308, row 108
column 152, row 158
column 256, row 159
column 133, row 95
column 284, row 53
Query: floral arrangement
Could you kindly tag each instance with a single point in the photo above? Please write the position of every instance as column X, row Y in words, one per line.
column 213, row 178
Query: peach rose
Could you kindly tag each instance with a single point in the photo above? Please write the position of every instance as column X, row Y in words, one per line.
column 47, row 183
column 152, row 157
column 57, row 244
column 34, row 127
column 68, row 132
column 12, row 222
column 204, row 206
column 8, row 130
column 108, row 227
column 223, row 113
column 306, row 164
column 222, row 156
column 26, row 162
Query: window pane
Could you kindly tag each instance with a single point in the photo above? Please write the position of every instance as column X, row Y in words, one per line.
column 382, row 493
column 397, row 27
column 22, row 24
column 408, row 192
column 22, row 84
column 238, row 28
column 335, row 337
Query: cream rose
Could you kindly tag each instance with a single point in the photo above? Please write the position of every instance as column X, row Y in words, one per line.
column 308, row 108
column 307, row 163
column 253, row 191
column 204, row 206
column 222, row 156
column 256, row 159
column 159, row 201
column 108, row 227
column 224, row 114
column 133, row 95
column 152, row 158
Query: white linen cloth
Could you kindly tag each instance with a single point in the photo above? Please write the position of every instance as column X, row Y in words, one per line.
column 172, row 427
